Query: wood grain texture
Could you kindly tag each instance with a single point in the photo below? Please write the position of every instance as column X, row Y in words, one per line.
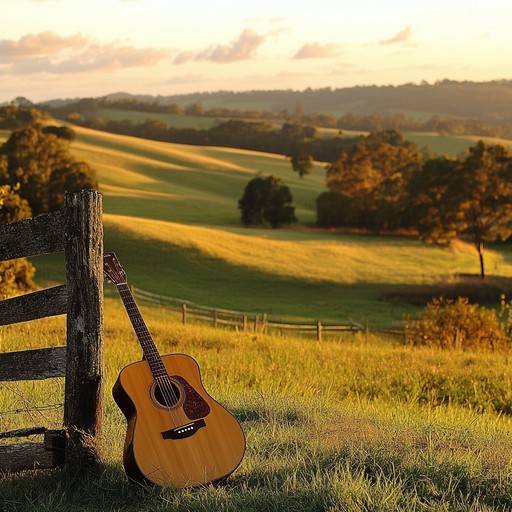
column 83, row 411
column 31, row 306
column 46, row 455
column 34, row 236
column 38, row 364
column 212, row 453
column 19, row 457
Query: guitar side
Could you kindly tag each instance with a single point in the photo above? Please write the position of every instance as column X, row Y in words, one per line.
column 196, row 442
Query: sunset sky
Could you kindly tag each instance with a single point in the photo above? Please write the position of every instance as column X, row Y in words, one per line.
column 75, row 48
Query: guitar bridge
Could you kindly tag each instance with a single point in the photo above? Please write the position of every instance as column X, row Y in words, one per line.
column 183, row 431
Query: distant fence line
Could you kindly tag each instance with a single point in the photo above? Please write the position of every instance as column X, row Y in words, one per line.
column 249, row 321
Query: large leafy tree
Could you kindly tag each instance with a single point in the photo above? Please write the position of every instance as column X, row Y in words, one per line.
column 267, row 200
column 470, row 197
column 39, row 163
column 373, row 175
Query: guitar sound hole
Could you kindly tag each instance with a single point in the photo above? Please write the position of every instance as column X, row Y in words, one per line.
column 165, row 395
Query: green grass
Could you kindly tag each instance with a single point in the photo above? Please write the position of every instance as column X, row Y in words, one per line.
column 360, row 423
column 355, row 423
column 171, row 214
column 182, row 202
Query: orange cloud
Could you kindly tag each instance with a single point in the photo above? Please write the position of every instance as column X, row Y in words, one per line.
column 402, row 37
column 241, row 49
column 44, row 43
column 317, row 51
column 48, row 52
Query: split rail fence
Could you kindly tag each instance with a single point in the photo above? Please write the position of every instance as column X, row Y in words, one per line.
column 251, row 322
column 77, row 230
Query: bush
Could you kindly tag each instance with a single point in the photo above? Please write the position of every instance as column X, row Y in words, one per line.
column 457, row 324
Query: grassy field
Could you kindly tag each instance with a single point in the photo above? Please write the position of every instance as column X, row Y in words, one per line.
column 171, row 215
column 357, row 424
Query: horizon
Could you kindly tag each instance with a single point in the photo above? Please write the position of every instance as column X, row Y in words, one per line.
column 55, row 49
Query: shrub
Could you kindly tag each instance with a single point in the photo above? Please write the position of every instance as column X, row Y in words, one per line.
column 457, row 324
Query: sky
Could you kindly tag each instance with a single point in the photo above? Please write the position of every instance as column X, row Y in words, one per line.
column 88, row 48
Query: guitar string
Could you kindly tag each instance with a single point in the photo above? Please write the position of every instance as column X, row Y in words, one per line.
column 150, row 351
column 158, row 369
column 149, row 348
column 163, row 380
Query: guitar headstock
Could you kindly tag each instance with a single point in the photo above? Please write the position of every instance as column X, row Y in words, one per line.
column 112, row 269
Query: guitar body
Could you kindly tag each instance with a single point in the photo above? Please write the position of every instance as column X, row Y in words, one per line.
column 194, row 441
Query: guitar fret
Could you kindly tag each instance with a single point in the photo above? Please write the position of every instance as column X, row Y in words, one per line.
column 139, row 326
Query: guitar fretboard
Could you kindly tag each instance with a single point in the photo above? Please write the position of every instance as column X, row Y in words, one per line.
column 139, row 326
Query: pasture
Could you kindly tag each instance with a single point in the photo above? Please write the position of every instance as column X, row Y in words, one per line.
column 355, row 423
column 171, row 215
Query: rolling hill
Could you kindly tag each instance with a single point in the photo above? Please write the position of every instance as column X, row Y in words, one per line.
column 170, row 213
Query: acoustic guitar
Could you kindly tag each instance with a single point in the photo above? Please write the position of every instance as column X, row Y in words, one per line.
column 177, row 434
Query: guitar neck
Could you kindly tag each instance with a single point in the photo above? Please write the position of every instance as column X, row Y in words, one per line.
column 143, row 335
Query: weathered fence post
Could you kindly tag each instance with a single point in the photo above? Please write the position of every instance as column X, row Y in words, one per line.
column 245, row 323
column 184, row 314
column 83, row 248
column 318, row 330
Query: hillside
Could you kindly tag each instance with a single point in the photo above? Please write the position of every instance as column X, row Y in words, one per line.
column 488, row 102
column 171, row 215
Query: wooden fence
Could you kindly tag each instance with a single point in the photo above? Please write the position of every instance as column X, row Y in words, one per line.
column 77, row 230
column 252, row 322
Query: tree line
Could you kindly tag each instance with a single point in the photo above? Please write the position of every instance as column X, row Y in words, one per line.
column 290, row 138
column 477, row 108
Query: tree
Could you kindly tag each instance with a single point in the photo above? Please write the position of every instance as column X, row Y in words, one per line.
column 301, row 162
column 472, row 198
column 30, row 157
column 267, row 200
column 374, row 174
column 333, row 209
column 15, row 275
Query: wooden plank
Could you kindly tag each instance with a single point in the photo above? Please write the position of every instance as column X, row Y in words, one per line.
column 31, row 306
column 26, row 456
column 20, row 457
column 31, row 237
column 38, row 364
column 83, row 410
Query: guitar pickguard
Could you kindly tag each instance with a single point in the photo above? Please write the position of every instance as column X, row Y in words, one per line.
column 195, row 406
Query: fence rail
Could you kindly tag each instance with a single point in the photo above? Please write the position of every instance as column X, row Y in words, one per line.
column 250, row 321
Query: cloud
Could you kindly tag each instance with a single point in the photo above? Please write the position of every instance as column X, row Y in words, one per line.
column 48, row 52
column 111, row 57
column 402, row 37
column 317, row 51
column 184, row 57
column 44, row 43
column 241, row 49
